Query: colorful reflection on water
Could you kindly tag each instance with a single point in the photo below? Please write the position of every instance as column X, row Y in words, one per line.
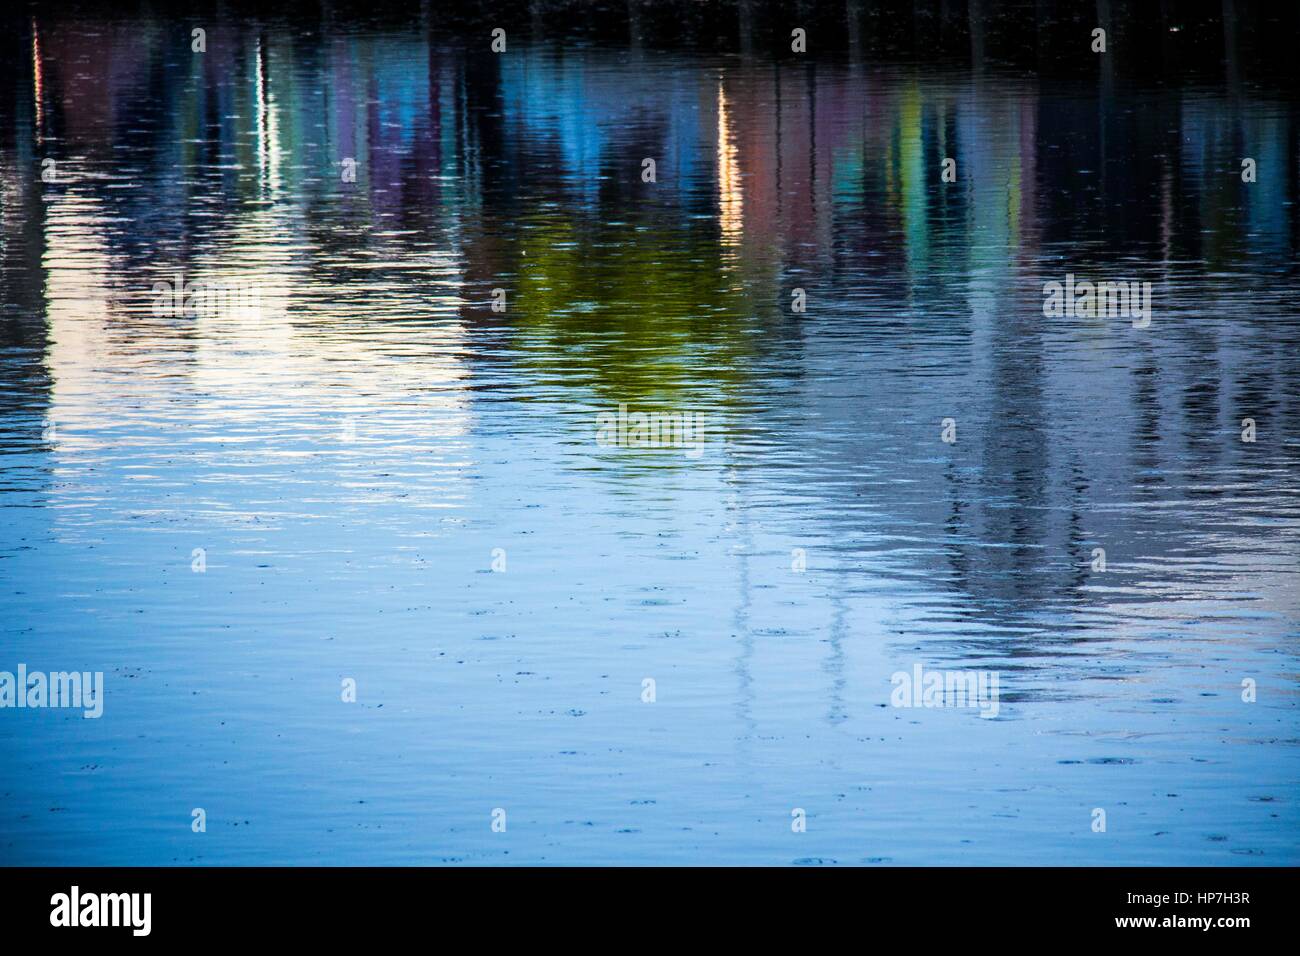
column 349, row 452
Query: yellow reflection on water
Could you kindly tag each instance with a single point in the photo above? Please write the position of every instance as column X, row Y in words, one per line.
column 730, row 200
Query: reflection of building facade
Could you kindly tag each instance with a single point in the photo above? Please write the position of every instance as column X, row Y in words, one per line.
column 475, row 172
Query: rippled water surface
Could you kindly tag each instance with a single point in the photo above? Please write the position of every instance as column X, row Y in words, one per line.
column 349, row 450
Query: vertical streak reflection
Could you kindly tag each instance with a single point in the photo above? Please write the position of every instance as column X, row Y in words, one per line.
column 38, row 83
column 730, row 201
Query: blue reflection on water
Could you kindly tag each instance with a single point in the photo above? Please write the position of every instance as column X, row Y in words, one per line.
column 349, row 450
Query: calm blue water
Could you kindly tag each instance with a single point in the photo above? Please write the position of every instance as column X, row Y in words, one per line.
column 349, row 453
